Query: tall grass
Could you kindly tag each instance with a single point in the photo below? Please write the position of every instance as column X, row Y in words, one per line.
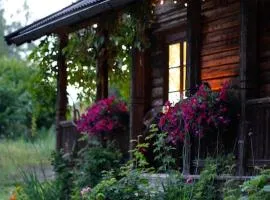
column 21, row 156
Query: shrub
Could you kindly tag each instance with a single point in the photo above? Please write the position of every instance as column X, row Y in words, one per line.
column 93, row 161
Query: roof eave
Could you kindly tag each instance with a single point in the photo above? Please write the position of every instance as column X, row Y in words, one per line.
column 67, row 20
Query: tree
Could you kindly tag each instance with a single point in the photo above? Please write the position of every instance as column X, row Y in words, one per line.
column 23, row 97
column 3, row 45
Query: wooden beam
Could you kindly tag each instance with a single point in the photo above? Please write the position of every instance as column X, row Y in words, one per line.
column 248, row 71
column 194, row 44
column 140, row 92
column 62, row 100
column 193, row 65
column 102, row 68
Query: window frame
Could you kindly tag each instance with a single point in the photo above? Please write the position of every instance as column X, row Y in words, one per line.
column 173, row 38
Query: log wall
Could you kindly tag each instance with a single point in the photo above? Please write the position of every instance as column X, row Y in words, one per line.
column 220, row 42
column 220, row 48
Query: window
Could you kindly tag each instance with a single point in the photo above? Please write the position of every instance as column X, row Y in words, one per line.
column 177, row 71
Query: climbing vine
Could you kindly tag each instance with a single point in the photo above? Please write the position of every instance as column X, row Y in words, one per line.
column 126, row 30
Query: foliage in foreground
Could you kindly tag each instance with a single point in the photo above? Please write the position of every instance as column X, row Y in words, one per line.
column 134, row 181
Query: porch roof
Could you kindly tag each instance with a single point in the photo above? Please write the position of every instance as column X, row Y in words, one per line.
column 71, row 15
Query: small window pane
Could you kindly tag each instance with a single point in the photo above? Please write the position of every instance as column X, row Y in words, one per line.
column 174, row 79
column 185, row 53
column 174, row 55
column 174, row 97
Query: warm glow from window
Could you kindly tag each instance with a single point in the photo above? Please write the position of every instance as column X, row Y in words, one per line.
column 177, row 71
column 174, row 55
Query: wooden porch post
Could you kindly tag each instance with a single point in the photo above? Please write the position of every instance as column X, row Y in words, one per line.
column 193, row 63
column 102, row 69
column 62, row 101
column 193, row 44
column 248, row 71
column 139, row 91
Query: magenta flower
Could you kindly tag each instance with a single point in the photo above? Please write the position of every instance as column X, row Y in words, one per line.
column 105, row 116
column 205, row 110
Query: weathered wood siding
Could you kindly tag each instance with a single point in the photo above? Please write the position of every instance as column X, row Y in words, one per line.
column 264, row 47
column 220, row 48
column 220, row 42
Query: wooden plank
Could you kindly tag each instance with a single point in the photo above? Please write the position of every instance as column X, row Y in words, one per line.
column 221, row 35
column 220, row 45
column 265, row 100
column 233, row 60
column 219, row 55
column 220, row 72
column 62, row 100
column 221, row 24
column 219, row 12
column 209, row 52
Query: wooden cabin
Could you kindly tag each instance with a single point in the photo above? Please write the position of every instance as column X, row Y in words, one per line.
column 192, row 41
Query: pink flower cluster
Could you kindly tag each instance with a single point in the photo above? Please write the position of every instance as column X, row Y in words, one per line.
column 205, row 111
column 85, row 191
column 103, row 117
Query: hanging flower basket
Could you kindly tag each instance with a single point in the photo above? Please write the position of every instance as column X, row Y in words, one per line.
column 105, row 119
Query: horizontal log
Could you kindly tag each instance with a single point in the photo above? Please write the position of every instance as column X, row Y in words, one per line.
column 211, row 4
column 222, row 35
column 219, row 55
column 220, row 72
column 219, row 12
column 157, row 82
column 221, row 24
column 157, row 102
column 265, row 100
column 221, row 49
column 222, row 61
column 157, row 92
column 157, row 72
column 232, row 43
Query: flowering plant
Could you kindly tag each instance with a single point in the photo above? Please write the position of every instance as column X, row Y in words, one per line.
column 105, row 116
column 205, row 111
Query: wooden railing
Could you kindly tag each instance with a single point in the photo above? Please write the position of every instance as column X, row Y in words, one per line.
column 258, row 135
column 69, row 137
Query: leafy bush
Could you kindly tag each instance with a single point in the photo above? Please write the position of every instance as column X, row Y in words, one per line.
column 92, row 161
column 258, row 187
column 131, row 187
column 63, row 166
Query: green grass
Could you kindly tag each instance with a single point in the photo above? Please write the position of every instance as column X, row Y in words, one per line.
column 17, row 156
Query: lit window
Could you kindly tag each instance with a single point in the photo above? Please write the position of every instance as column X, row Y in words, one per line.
column 177, row 71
